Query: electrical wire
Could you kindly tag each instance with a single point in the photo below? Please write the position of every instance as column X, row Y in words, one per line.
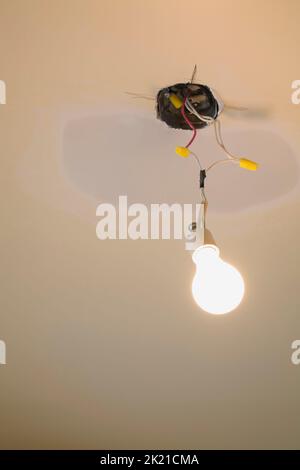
column 140, row 96
column 194, row 74
column 203, row 196
column 226, row 160
column 230, row 157
column 201, row 117
column 219, row 138
column 197, row 159
column 218, row 134
column 189, row 123
column 217, row 128
column 235, row 108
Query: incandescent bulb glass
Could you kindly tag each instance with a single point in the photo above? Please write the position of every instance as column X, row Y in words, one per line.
column 217, row 286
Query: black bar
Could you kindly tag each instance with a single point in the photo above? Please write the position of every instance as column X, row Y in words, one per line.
column 144, row 458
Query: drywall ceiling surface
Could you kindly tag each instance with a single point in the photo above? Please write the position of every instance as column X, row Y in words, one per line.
column 106, row 348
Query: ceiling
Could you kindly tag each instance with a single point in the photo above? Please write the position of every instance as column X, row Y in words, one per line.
column 105, row 346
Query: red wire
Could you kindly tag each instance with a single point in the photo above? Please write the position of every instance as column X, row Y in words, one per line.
column 182, row 109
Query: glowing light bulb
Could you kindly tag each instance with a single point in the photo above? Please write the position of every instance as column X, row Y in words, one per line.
column 217, row 286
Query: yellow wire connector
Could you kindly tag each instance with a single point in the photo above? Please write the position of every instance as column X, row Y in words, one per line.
column 176, row 102
column 182, row 151
column 248, row 164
